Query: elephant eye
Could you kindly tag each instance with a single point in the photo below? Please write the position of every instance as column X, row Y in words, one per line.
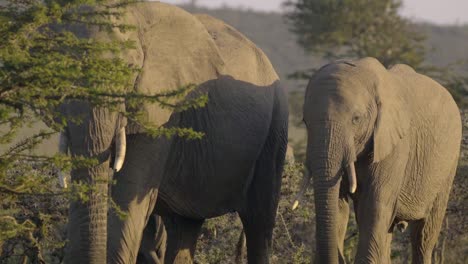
column 356, row 119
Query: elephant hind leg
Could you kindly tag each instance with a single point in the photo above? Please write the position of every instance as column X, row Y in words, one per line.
column 258, row 236
column 182, row 235
column 259, row 212
column 425, row 232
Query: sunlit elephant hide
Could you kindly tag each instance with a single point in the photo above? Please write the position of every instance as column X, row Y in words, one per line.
column 387, row 139
column 237, row 166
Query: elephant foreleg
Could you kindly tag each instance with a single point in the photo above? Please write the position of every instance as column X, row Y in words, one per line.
column 375, row 230
column 125, row 234
column 135, row 192
column 343, row 217
column 259, row 213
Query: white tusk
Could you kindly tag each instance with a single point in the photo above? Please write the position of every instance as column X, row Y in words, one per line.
column 351, row 171
column 63, row 149
column 295, row 205
column 120, row 149
column 304, row 185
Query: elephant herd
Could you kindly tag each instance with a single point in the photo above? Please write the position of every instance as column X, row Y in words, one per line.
column 386, row 139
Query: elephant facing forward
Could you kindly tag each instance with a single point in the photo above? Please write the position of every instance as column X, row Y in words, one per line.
column 236, row 166
column 388, row 139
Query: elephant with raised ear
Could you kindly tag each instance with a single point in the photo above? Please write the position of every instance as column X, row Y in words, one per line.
column 388, row 139
column 236, row 166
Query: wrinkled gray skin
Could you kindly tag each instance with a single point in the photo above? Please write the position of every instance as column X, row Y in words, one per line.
column 237, row 166
column 402, row 131
column 193, row 180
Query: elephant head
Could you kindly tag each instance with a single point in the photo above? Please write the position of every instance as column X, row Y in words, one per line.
column 97, row 133
column 351, row 111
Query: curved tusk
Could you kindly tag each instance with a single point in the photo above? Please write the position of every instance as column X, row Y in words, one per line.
column 351, row 171
column 304, row 186
column 295, row 205
column 63, row 149
column 120, row 149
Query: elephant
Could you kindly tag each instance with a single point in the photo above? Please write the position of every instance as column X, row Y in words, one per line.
column 387, row 139
column 236, row 166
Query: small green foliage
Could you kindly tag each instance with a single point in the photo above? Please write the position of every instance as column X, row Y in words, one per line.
column 351, row 239
column 299, row 257
column 32, row 210
column 117, row 210
column 218, row 240
column 10, row 228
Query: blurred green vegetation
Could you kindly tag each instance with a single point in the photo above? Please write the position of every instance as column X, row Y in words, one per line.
column 337, row 29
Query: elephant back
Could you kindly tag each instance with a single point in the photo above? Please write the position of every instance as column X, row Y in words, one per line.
column 173, row 49
column 244, row 61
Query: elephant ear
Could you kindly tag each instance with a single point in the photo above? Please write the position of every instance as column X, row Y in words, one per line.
column 392, row 122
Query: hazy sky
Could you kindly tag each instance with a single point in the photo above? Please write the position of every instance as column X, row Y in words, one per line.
column 437, row 11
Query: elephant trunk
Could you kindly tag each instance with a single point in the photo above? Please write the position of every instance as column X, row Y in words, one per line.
column 87, row 226
column 92, row 138
column 326, row 209
column 328, row 152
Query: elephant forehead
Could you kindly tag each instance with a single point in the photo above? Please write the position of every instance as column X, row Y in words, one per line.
column 339, row 87
column 336, row 98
